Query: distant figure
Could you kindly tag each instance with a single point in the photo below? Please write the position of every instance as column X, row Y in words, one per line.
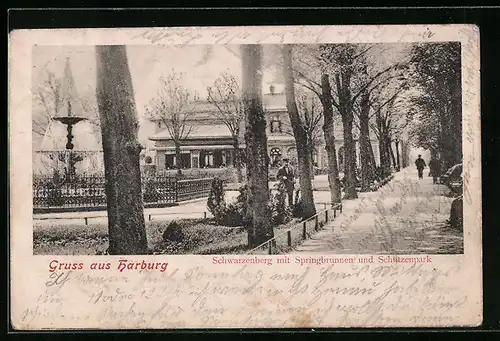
column 434, row 169
column 420, row 163
column 287, row 175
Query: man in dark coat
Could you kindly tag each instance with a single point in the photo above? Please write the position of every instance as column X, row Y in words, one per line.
column 434, row 168
column 420, row 163
column 287, row 175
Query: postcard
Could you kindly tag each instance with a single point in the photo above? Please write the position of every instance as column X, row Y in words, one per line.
column 245, row 177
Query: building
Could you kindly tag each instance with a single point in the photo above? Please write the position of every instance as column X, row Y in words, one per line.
column 210, row 144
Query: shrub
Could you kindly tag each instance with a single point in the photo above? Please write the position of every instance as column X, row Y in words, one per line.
column 216, row 202
column 298, row 210
column 235, row 213
column 280, row 212
column 150, row 191
column 242, row 202
column 148, row 160
column 173, row 233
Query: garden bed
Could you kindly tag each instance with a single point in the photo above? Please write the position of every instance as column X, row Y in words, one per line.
column 201, row 236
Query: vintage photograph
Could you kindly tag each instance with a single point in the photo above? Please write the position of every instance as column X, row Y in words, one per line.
column 345, row 148
column 245, row 177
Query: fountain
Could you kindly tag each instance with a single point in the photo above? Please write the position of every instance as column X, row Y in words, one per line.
column 70, row 157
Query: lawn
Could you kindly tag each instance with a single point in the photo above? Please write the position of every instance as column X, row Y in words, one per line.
column 200, row 236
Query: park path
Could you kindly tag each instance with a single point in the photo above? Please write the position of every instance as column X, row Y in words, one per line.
column 406, row 216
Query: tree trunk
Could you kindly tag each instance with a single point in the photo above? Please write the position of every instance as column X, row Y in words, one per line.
column 300, row 134
column 385, row 162
column 119, row 126
column 329, row 134
column 178, row 159
column 256, row 146
column 372, row 158
column 398, row 156
column 349, row 145
column 404, row 162
column 391, row 152
column 311, row 157
column 237, row 158
column 350, row 159
column 367, row 158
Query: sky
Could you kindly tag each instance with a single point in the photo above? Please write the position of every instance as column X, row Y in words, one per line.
column 201, row 64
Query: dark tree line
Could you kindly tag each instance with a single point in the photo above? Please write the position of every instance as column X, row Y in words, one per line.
column 437, row 108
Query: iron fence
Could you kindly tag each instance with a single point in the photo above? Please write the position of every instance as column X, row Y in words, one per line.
column 88, row 191
column 193, row 188
column 287, row 239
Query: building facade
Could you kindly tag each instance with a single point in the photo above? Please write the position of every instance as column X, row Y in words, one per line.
column 210, row 143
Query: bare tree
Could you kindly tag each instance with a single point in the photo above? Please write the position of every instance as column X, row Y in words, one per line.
column 225, row 95
column 301, row 137
column 311, row 118
column 390, row 119
column 173, row 106
column 371, row 101
column 329, row 135
column 260, row 228
column 119, row 123
column 347, row 62
column 307, row 68
column 46, row 99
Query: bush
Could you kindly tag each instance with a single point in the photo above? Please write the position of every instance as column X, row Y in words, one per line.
column 216, row 202
column 148, row 160
column 298, row 210
column 280, row 212
column 235, row 213
column 173, row 233
column 150, row 191
column 233, row 216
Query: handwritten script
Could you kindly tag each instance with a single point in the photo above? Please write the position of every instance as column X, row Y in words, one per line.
column 250, row 296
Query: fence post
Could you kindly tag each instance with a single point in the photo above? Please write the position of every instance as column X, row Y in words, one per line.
column 340, row 208
column 316, row 223
column 149, row 218
column 86, row 221
column 289, row 238
column 335, row 212
column 205, row 215
column 176, row 189
column 304, row 230
column 326, row 216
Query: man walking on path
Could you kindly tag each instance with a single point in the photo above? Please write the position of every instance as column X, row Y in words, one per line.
column 420, row 163
column 287, row 175
column 434, row 168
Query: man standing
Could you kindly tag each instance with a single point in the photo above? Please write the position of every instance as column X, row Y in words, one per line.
column 434, row 168
column 420, row 163
column 287, row 175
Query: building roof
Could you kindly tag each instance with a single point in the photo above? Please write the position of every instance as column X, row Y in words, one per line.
column 202, row 131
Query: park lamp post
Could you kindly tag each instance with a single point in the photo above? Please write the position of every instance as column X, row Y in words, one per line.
column 70, row 158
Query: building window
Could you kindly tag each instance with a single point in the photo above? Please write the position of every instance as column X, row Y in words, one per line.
column 276, row 125
column 171, row 161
